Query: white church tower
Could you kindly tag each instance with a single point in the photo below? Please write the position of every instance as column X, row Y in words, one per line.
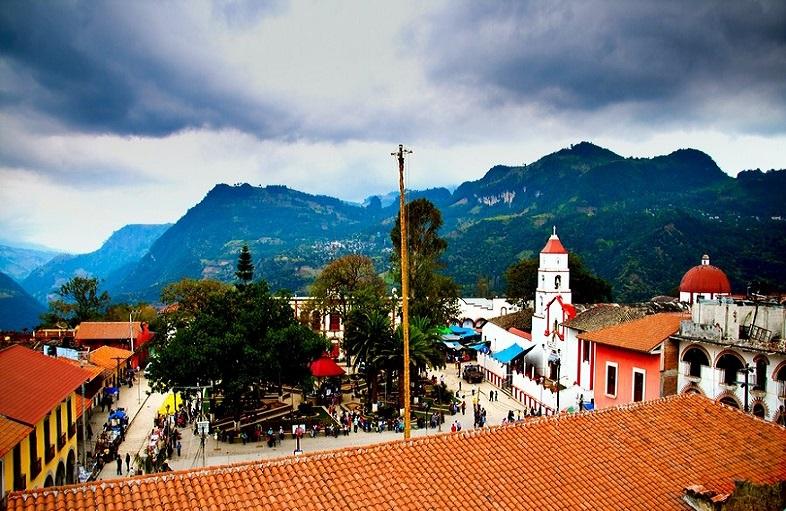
column 553, row 288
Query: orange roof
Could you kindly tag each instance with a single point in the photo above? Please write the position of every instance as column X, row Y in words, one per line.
column 82, row 404
column 554, row 246
column 99, row 330
column 642, row 334
column 33, row 384
column 107, row 357
column 636, row 457
column 11, row 433
column 94, row 370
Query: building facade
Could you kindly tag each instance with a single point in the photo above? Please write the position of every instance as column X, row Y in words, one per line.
column 734, row 351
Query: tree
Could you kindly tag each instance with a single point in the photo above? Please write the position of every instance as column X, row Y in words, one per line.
column 424, row 351
column 433, row 296
column 367, row 332
column 245, row 267
column 343, row 281
column 79, row 301
column 140, row 312
column 586, row 287
column 185, row 298
column 238, row 341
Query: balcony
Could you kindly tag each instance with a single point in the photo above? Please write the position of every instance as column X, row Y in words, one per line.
column 20, row 482
column 35, row 468
column 49, row 453
column 691, row 373
column 61, row 441
column 781, row 389
column 72, row 430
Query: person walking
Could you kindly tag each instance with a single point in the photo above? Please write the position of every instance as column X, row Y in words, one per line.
column 128, row 463
column 119, row 465
column 179, row 446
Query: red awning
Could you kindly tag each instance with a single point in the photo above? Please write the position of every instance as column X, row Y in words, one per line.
column 325, row 367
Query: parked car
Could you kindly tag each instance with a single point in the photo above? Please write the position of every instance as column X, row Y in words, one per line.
column 473, row 373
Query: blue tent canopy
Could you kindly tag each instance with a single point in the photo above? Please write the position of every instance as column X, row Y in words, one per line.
column 511, row 352
column 479, row 346
column 463, row 332
column 450, row 337
column 453, row 345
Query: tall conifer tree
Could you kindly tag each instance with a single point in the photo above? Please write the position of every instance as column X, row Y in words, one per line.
column 245, row 267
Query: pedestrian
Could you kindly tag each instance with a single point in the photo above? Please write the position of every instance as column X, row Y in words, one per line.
column 119, row 465
column 463, row 407
column 459, row 384
column 178, row 446
column 128, row 463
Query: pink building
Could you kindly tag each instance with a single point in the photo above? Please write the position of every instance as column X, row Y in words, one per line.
column 635, row 360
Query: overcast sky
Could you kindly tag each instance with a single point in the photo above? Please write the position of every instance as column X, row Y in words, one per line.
column 130, row 112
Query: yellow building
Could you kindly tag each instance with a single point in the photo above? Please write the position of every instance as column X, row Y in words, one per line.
column 38, row 411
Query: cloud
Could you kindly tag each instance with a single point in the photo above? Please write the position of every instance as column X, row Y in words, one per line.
column 117, row 68
column 661, row 61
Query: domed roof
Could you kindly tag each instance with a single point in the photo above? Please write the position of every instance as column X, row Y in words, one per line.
column 705, row 278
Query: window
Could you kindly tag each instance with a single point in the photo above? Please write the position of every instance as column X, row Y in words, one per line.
column 557, row 282
column 761, row 374
column 731, row 365
column 639, row 376
column 335, row 322
column 35, row 461
column 585, row 350
column 611, row 379
column 695, row 359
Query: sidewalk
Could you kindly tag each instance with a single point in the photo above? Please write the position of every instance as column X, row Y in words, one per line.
column 141, row 407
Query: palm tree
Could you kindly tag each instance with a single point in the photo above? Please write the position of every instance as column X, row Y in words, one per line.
column 367, row 332
column 423, row 351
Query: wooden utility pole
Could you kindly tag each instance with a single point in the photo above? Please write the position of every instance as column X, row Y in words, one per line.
column 404, row 286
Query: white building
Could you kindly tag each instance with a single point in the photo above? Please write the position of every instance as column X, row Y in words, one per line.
column 735, row 352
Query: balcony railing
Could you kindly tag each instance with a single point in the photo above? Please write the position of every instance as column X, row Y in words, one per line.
column 61, row 441
column 49, row 452
column 72, row 430
column 20, row 482
column 35, row 468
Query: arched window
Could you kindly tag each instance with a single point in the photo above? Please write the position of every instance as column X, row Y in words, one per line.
column 695, row 358
column 557, row 281
column 730, row 401
column 758, row 410
column 761, row 374
column 731, row 365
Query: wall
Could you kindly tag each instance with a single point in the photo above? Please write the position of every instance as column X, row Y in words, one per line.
column 626, row 360
column 710, row 382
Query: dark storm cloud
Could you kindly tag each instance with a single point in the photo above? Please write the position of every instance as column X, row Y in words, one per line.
column 664, row 58
column 94, row 67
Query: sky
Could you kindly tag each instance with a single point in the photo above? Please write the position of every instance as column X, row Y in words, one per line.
column 113, row 113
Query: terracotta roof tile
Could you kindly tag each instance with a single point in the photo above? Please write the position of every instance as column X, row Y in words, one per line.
column 11, row 433
column 521, row 320
column 106, row 357
column 641, row 334
column 32, row 384
column 636, row 457
column 98, row 330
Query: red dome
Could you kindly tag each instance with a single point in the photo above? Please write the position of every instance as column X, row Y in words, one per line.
column 705, row 278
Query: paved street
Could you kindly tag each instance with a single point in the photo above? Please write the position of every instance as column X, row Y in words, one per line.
column 220, row 453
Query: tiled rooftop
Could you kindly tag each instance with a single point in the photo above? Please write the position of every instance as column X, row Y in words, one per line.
column 107, row 357
column 636, row 457
column 641, row 334
column 604, row 315
column 11, row 433
column 106, row 330
column 32, row 384
column 521, row 320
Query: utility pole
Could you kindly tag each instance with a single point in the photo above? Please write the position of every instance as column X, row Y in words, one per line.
column 404, row 285
column 117, row 374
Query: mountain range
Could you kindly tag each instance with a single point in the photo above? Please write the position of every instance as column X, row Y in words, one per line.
column 639, row 223
column 18, row 310
column 117, row 256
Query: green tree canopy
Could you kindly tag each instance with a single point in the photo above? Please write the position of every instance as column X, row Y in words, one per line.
column 434, row 296
column 343, row 282
column 238, row 341
column 79, row 301
column 245, row 267
column 586, row 287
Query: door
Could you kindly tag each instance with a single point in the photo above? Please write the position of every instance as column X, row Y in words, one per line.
column 638, row 386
